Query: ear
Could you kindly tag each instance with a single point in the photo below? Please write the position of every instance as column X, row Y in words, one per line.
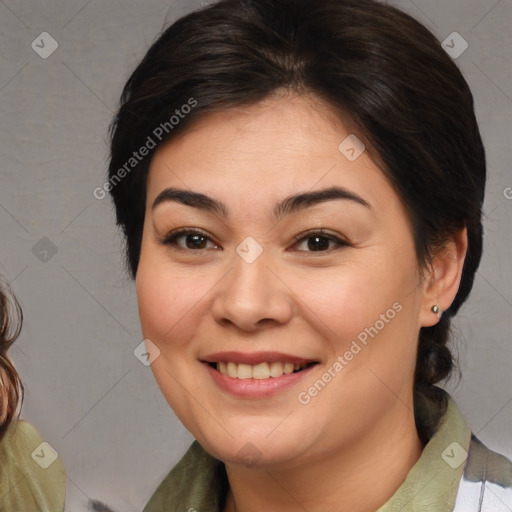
column 442, row 281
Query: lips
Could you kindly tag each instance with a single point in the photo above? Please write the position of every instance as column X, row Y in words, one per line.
column 255, row 358
column 256, row 366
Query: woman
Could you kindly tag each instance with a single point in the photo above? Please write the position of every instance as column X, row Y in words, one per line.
column 32, row 478
column 300, row 185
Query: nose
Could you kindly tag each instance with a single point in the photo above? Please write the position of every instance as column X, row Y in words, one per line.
column 252, row 296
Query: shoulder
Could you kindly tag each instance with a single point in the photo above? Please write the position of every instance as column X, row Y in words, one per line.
column 32, row 476
column 20, row 433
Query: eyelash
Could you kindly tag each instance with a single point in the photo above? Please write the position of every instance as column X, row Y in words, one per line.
column 170, row 239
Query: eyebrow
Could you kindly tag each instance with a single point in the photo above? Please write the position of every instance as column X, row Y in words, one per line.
column 288, row 205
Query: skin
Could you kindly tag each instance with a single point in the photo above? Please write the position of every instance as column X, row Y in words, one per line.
column 355, row 441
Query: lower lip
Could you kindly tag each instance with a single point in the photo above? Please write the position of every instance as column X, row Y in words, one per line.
column 256, row 388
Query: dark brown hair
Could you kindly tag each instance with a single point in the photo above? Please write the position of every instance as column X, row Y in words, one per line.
column 373, row 64
column 11, row 387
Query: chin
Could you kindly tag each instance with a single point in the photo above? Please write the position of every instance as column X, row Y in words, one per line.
column 255, row 450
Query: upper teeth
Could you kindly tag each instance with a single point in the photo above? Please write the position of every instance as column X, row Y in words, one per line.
column 258, row 371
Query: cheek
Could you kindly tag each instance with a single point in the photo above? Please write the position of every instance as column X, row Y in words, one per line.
column 366, row 313
column 348, row 298
column 165, row 300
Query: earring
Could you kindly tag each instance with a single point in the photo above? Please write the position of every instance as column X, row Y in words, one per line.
column 437, row 311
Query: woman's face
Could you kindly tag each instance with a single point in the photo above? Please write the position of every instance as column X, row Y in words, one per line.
column 260, row 286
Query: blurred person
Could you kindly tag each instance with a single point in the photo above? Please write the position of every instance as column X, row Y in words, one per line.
column 26, row 484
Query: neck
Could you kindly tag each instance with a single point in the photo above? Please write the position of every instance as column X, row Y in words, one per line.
column 360, row 477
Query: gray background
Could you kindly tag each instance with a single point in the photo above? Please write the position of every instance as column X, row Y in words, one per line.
column 86, row 393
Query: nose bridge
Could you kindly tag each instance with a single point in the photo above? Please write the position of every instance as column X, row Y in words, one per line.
column 249, row 281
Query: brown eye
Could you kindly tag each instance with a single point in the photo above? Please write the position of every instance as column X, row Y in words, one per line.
column 319, row 241
column 193, row 240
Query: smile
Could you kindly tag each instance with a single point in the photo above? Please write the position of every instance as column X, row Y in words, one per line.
column 256, row 375
column 265, row 370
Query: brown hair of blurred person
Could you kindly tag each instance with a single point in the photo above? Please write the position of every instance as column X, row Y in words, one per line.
column 11, row 387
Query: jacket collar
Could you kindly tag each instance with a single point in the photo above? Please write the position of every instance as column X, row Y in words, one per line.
column 435, row 482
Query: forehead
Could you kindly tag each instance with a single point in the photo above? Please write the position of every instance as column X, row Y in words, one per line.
column 263, row 152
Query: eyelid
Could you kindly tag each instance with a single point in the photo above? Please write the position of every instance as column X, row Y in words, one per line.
column 313, row 231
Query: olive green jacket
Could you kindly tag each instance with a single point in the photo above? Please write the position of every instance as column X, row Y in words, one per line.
column 455, row 473
column 32, row 477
